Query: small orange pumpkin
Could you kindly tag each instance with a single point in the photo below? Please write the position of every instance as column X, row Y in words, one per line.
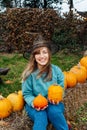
column 5, row 107
column 55, row 93
column 40, row 101
column 17, row 100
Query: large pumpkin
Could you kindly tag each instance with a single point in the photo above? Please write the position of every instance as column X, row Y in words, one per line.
column 40, row 101
column 55, row 93
column 5, row 107
column 17, row 100
column 80, row 72
column 70, row 78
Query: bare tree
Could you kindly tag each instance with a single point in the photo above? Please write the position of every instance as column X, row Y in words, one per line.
column 71, row 4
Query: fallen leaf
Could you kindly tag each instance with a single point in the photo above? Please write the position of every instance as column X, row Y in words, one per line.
column 8, row 82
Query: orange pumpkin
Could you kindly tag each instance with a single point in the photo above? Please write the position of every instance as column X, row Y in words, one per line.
column 83, row 61
column 80, row 72
column 40, row 101
column 5, row 107
column 16, row 100
column 55, row 93
column 70, row 78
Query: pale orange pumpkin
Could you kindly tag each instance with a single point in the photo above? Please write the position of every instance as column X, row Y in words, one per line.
column 5, row 107
column 70, row 78
column 40, row 101
column 55, row 93
column 80, row 72
column 16, row 100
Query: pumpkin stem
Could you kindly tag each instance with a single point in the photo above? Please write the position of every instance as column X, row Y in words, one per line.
column 85, row 53
column 16, row 92
column 1, row 97
column 79, row 65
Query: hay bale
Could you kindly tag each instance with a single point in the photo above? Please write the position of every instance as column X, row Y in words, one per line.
column 74, row 99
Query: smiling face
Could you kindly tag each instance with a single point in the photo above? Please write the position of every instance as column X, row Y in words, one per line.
column 42, row 57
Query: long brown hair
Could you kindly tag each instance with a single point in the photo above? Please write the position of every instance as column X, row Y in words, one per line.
column 32, row 66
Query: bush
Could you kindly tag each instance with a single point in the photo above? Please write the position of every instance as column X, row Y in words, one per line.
column 69, row 34
column 65, row 39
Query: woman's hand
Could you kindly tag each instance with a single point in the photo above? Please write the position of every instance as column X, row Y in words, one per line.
column 53, row 102
column 38, row 108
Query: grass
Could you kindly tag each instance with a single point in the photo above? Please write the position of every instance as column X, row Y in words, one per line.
column 17, row 63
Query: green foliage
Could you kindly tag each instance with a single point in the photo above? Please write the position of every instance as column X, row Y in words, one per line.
column 66, row 35
column 29, row 3
column 6, row 3
column 64, row 39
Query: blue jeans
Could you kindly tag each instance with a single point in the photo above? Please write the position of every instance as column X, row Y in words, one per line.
column 53, row 114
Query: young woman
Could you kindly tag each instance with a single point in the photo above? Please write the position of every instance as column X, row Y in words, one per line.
column 37, row 78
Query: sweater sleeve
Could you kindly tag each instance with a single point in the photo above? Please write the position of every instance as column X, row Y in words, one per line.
column 27, row 90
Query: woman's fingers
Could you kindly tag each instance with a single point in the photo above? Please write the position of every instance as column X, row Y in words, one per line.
column 53, row 102
column 44, row 107
column 38, row 108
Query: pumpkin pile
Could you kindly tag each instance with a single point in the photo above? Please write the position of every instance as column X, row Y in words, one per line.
column 55, row 93
column 12, row 103
column 77, row 74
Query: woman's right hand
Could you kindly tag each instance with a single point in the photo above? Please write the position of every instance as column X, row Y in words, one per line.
column 53, row 102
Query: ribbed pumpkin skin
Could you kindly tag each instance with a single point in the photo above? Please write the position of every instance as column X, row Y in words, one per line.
column 17, row 101
column 5, row 108
column 83, row 61
column 55, row 93
column 40, row 101
column 80, row 72
column 70, row 78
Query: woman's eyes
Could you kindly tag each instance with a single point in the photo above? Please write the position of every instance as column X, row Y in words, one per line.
column 43, row 52
column 37, row 53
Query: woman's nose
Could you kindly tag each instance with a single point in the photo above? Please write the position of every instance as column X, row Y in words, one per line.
column 41, row 54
